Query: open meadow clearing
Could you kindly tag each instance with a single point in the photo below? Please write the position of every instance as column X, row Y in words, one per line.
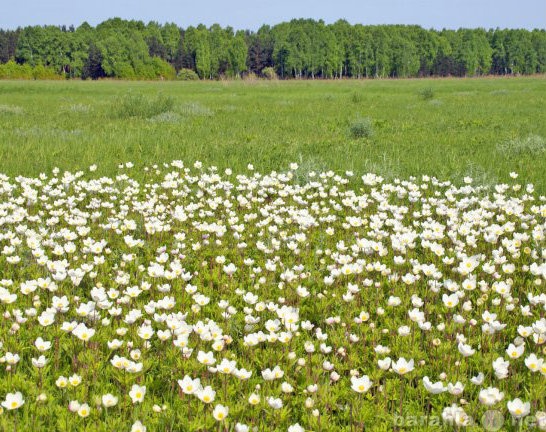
column 443, row 127
column 273, row 256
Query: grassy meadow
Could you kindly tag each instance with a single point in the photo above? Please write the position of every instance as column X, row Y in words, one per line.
column 187, row 298
column 449, row 128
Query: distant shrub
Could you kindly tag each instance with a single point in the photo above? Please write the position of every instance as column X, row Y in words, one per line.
column 426, row 93
column 361, row 128
column 269, row 73
column 162, row 69
column 12, row 70
column 531, row 145
column 41, row 72
column 187, row 75
column 141, row 106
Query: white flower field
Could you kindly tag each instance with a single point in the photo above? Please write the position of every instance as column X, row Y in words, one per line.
column 174, row 298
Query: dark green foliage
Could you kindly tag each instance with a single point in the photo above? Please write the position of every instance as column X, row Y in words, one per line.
column 361, row 128
column 302, row 48
column 93, row 64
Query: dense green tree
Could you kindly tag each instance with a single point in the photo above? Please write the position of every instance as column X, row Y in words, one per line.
column 8, row 44
column 92, row 67
column 301, row 48
column 260, row 49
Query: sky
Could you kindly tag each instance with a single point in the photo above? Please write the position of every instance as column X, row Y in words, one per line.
column 251, row 14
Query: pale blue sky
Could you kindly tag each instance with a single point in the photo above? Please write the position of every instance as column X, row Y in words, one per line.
column 246, row 14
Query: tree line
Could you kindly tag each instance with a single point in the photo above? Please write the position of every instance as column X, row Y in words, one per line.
column 302, row 48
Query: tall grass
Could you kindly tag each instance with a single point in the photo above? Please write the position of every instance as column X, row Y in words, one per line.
column 141, row 106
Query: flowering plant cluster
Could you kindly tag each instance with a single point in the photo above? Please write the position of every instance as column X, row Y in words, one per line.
column 182, row 298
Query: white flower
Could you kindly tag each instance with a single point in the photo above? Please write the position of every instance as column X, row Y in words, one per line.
column 515, row 351
column 275, row 403
column 138, row 427
column 490, row 396
column 75, row 380
column 385, row 363
column 518, row 408
column 402, row 366
column 226, row 366
column 220, row 412
column 455, row 415
column 109, row 400
column 534, row 363
column 254, row 399
column 466, row 350
column 361, row 385
column 189, row 385
column 42, row 345
column 13, row 401
column 40, row 362
column 74, row 406
column 84, row 410
column 206, row 358
column 137, row 393
column 540, row 417
column 434, row 388
column 478, row 379
column 83, row 333
column 206, row 394
column 450, row 301
column 455, row 389
column 230, row 269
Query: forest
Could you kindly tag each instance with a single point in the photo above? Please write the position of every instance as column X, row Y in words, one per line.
column 301, row 48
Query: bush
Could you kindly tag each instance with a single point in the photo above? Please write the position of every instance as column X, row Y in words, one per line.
column 361, row 128
column 426, row 93
column 140, row 106
column 12, row 70
column 187, row 75
column 269, row 73
column 162, row 69
column 41, row 72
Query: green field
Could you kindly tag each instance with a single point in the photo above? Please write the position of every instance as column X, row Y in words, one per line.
column 449, row 128
column 184, row 298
